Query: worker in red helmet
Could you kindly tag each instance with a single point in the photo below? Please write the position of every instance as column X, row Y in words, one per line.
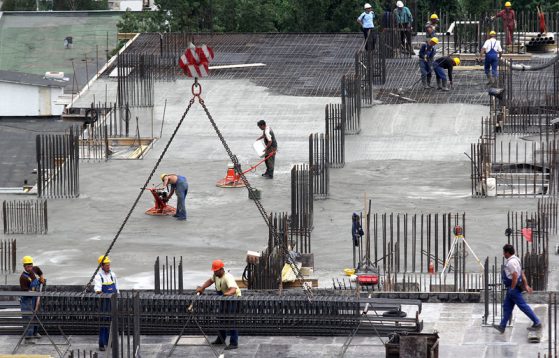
column 225, row 285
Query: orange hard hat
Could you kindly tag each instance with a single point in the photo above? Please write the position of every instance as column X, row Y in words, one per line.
column 217, row 265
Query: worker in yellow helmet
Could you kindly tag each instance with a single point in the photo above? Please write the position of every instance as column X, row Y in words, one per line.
column 30, row 280
column 426, row 56
column 431, row 26
column 492, row 50
column 105, row 282
column 441, row 64
column 509, row 21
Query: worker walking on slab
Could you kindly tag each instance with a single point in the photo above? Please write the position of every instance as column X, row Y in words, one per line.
column 509, row 21
column 179, row 185
column 404, row 20
column 30, row 280
column 105, row 282
column 426, row 55
column 271, row 148
column 431, row 26
column 492, row 50
column 366, row 20
column 441, row 64
column 515, row 282
column 225, row 285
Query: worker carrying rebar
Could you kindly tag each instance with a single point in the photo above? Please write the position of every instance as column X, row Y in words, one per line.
column 30, row 280
column 105, row 282
column 509, row 21
column 404, row 21
column 179, row 185
column 426, row 56
column 366, row 20
column 225, row 285
column 515, row 282
column 431, row 26
column 492, row 51
column 271, row 148
column 441, row 64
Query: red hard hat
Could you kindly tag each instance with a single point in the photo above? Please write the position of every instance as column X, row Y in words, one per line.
column 217, row 265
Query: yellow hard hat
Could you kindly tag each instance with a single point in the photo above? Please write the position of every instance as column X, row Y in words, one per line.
column 107, row 260
column 456, row 61
column 434, row 40
column 434, row 17
column 492, row 33
column 27, row 260
column 162, row 176
column 508, row 4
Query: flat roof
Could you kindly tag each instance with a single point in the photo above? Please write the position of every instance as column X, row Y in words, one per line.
column 29, row 79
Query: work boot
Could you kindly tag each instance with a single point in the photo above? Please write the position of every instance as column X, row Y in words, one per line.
column 535, row 327
column 439, row 84
column 489, row 80
column 218, row 341
column 429, row 81
column 424, row 82
column 495, row 81
column 445, row 87
column 231, row 346
column 499, row 328
column 29, row 340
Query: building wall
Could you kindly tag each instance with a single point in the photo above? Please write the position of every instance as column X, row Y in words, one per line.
column 27, row 100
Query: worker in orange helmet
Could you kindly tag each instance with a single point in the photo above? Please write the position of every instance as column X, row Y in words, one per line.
column 509, row 21
column 225, row 285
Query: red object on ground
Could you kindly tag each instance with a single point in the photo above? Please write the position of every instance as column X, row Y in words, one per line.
column 527, row 233
column 161, row 208
column 231, row 180
column 367, row 279
column 195, row 61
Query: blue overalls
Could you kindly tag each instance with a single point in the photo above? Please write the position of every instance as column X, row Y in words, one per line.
column 181, row 189
column 426, row 55
column 106, row 287
column 492, row 60
column 28, row 304
column 514, row 297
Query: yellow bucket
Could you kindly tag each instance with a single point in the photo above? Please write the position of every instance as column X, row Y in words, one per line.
column 349, row 271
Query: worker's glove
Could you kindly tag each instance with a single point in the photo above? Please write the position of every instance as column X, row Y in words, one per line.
column 42, row 280
column 200, row 290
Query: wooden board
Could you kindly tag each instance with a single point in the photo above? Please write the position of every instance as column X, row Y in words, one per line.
column 515, row 56
column 297, row 283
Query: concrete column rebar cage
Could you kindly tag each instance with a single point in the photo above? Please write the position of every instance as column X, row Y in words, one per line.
column 335, row 135
column 168, row 275
column 318, row 165
column 25, row 216
column 8, row 256
column 493, row 292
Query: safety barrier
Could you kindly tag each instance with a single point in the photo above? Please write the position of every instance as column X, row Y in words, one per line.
column 58, row 165
column 168, row 275
column 25, row 216
column 318, row 165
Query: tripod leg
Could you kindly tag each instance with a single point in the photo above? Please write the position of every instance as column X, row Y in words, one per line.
column 179, row 336
column 449, row 256
column 473, row 253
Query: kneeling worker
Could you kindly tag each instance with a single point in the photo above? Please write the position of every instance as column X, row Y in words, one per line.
column 441, row 64
column 225, row 285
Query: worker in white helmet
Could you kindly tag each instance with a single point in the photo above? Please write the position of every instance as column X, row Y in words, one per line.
column 404, row 20
column 366, row 20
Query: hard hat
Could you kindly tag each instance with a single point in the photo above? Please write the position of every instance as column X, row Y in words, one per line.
column 399, row 4
column 107, row 260
column 492, row 33
column 367, row 6
column 217, row 265
column 456, row 61
column 27, row 260
column 434, row 40
column 508, row 4
column 162, row 176
column 434, row 17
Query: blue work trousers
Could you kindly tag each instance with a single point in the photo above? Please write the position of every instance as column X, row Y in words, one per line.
column 425, row 68
column 28, row 306
column 105, row 324
column 439, row 71
column 229, row 307
column 491, row 63
column 514, row 297
column 181, row 191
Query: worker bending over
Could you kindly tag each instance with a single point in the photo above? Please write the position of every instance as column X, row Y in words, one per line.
column 225, row 285
column 105, row 282
column 492, row 50
column 509, row 21
column 30, row 280
column 426, row 55
column 441, row 64
column 178, row 185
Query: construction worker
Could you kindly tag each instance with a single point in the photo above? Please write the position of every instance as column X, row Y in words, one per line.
column 441, row 64
column 431, row 26
column 366, row 20
column 105, row 282
column 515, row 282
column 30, row 280
column 404, row 20
column 426, row 56
column 178, row 185
column 492, row 50
column 271, row 148
column 225, row 285
column 509, row 21
column 356, row 234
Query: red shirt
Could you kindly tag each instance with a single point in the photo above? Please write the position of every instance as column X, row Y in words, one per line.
column 508, row 16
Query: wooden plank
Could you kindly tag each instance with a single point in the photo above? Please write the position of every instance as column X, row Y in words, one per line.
column 514, row 56
column 297, row 283
column 125, row 35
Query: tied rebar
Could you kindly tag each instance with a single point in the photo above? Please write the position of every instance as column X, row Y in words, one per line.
column 25, row 216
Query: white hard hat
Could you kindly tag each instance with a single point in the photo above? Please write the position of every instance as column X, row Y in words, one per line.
column 367, row 6
column 399, row 4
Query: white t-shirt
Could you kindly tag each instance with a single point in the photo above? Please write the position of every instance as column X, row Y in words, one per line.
column 108, row 278
column 492, row 44
column 513, row 265
column 226, row 282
